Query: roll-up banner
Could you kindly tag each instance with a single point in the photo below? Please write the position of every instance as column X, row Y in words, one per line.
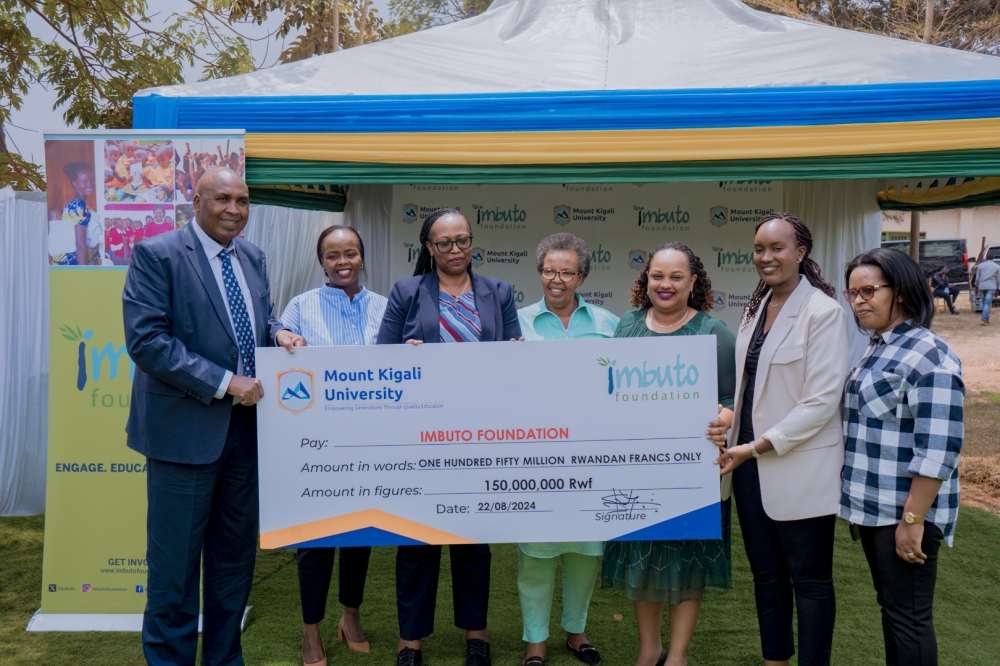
column 107, row 191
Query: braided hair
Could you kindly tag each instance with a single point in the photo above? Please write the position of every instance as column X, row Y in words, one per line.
column 701, row 297
column 807, row 267
column 425, row 261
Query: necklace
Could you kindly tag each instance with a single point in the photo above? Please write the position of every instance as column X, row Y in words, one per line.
column 652, row 320
column 461, row 289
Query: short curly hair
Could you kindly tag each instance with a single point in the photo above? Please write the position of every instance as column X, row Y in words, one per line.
column 567, row 242
column 702, row 296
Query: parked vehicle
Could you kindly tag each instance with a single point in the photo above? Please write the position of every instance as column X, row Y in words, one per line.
column 937, row 252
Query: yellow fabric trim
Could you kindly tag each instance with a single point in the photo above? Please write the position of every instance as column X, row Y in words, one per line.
column 938, row 194
column 625, row 146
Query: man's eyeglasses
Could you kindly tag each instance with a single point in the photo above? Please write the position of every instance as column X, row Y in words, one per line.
column 565, row 276
column 463, row 243
column 866, row 292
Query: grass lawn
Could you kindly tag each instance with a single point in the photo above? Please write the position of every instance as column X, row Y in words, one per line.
column 967, row 611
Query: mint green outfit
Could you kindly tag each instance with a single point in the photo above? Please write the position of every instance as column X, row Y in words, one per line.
column 536, row 562
column 587, row 321
column 676, row 571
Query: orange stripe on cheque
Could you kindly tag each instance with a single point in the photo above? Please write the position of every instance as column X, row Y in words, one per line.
column 358, row 521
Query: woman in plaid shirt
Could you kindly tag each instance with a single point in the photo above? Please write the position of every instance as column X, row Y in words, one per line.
column 903, row 429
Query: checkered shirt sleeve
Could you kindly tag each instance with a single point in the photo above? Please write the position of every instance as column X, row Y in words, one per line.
column 903, row 416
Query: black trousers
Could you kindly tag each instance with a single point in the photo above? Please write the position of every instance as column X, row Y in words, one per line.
column 906, row 594
column 792, row 565
column 201, row 517
column 417, row 571
column 315, row 572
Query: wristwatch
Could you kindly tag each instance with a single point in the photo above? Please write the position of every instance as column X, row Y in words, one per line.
column 910, row 519
column 753, row 450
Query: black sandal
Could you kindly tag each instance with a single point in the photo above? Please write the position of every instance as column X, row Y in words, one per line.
column 587, row 653
column 533, row 661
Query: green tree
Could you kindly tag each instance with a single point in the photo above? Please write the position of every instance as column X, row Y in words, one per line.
column 107, row 50
column 413, row 15
column 970, row 25
column 103, row 52
column 325, row 25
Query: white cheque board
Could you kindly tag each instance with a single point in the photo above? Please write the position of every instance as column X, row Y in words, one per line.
column 504, row 442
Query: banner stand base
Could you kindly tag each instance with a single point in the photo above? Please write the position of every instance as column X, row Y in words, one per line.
column 103, row 621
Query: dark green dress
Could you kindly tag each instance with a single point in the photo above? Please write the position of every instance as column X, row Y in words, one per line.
column 676, row 571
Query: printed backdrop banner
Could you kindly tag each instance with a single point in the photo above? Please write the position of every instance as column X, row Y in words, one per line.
column 621, row 223
column 107, row 192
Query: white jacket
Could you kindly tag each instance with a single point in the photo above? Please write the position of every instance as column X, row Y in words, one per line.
column 797, row 404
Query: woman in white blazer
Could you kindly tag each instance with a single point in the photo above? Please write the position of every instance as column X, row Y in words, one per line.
column 786, row 446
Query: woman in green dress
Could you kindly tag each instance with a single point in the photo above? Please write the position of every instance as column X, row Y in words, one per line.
column 671, row 296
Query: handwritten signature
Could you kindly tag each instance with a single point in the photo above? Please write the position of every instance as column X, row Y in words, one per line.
column 625, row 500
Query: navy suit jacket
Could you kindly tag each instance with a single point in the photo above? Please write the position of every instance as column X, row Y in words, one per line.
column 412, row 312
column 180, row 338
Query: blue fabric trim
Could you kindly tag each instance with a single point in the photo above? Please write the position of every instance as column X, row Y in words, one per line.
column 577, row 110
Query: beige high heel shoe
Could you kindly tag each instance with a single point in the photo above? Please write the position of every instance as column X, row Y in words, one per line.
column 360, row 646
column 321, row 662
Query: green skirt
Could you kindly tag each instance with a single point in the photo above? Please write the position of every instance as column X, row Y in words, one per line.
column 670, row 571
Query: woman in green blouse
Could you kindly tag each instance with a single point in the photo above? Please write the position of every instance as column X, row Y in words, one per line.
column 671, row 296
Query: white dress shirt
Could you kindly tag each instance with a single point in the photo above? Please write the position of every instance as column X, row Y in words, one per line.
column 212, row 251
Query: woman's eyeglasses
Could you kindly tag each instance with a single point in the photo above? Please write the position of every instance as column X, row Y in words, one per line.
column 866, row 292
column 463, row 243
column 565, row 276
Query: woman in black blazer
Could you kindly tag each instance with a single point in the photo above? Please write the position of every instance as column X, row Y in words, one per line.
column 445, row 302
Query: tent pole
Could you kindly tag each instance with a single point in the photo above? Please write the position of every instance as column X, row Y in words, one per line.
column 915, row 236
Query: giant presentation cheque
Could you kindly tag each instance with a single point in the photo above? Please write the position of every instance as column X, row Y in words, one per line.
column 488, row 443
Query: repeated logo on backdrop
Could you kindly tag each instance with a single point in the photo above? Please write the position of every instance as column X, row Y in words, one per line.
column 621, row 223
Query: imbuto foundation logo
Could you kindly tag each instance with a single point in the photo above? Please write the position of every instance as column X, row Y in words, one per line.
column 102, row 364
column 295, row 390
column 499, row 218
column 650, row 382
column 671, row 219
column 734, row 261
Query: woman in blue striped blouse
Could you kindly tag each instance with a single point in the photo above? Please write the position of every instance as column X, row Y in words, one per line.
column 341, row 312
column 445, row 302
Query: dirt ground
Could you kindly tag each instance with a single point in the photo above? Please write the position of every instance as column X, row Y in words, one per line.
column 979, row 348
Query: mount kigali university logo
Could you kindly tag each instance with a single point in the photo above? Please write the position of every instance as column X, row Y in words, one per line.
column 410, row 213
column 295, row 390
column 718, row 215
column 637, row 259
column 561, row 215
column 478, row 257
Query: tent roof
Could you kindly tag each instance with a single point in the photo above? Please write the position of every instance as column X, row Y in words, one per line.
column 560, row 45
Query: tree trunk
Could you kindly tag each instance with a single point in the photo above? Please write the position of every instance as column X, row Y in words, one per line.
column 336, row 25
column 929, row 22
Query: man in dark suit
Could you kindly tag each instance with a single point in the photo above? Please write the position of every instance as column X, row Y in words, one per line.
column 196, row 304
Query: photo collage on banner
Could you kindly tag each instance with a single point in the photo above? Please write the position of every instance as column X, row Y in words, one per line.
column 107, row 194
column 621, row 224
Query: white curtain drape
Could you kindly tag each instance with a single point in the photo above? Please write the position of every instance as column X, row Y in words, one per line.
column 24, row 352
column 288, row 238
column 845, row 221
column 369, row 211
